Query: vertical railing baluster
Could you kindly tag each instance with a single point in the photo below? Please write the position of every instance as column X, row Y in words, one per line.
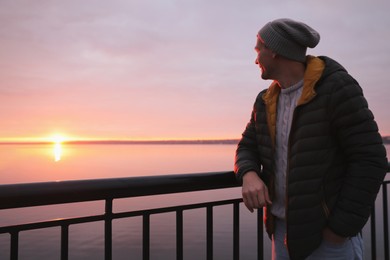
column 209, row 232
column 14, row 245
column 179, row 234
column 385, row 223
column 373, row 233
column 146, row 237
column 64, row 242
column 260, row 242
column 236, row 231
column 108, row 230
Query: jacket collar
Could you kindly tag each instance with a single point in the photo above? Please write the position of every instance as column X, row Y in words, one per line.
column 314, row 69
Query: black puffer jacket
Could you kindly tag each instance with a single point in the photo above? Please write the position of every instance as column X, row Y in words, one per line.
column 337, row 161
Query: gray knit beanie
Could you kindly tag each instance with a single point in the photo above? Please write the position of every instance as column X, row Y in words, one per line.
column 289, row 38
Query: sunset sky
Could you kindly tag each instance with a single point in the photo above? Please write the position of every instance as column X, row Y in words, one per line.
column 165, row 69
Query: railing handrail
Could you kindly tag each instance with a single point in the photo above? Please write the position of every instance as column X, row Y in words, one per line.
column 49, row 193
column 58, row 192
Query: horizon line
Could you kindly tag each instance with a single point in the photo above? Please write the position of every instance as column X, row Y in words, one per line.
column 114, row 141
column 386, row 140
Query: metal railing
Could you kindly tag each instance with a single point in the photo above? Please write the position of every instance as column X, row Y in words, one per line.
column 51, row 193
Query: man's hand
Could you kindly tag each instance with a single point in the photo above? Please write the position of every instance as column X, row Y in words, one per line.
column 254, row 191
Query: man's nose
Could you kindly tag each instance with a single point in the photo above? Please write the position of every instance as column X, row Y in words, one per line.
column 256, row 61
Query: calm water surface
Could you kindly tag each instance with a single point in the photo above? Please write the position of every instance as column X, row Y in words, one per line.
column 37, row 163
column 42, row 163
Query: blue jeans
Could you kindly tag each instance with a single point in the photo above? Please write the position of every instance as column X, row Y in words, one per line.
column 352, row 249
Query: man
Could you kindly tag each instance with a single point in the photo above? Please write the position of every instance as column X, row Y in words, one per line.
column 311, row 153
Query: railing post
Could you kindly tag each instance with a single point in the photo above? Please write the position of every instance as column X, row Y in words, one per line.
column 260, row 242
column 64, row 242
column 14, row 245
column 209, row 232
column 373, row 233
column 108, row 230
column 236, row 231
column 146, row 237
column 385, row 223
column 179, row 234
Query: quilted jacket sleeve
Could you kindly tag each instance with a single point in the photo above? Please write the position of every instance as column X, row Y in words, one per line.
column 357, row 133
column 247, row 157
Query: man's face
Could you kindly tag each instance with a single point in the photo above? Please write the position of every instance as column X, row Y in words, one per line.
column 264, row 59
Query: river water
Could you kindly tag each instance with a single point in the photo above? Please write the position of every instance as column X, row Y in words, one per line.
column 42, row 163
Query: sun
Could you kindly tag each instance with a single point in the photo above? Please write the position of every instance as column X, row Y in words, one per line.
column 58, row 138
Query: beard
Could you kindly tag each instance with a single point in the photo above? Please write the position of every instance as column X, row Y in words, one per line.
column 264, row 74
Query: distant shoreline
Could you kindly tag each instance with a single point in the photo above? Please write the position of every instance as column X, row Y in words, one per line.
column 386, row 140
column 144, row 142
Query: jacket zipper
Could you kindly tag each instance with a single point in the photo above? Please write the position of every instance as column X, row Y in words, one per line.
column 288, row 169
column 323, row 203
column 325, row 208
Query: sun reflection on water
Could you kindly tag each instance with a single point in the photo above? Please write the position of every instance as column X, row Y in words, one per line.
column 57, row 151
